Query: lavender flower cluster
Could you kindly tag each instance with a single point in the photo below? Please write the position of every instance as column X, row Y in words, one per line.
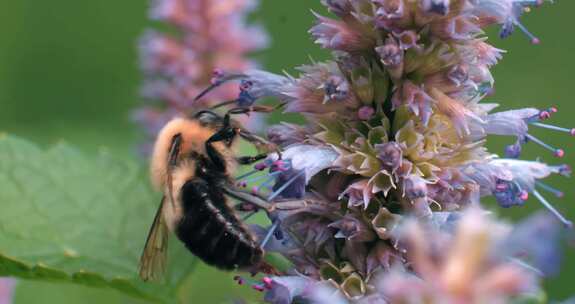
column 208, row 34
column 376, row 199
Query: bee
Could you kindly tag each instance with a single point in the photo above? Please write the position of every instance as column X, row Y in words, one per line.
column 193, row 163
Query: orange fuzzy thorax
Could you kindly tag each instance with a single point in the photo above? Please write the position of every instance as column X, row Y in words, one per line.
column 194, row 137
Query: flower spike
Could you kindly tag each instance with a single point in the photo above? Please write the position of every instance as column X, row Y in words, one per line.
column 378, row 196
column 544, row 202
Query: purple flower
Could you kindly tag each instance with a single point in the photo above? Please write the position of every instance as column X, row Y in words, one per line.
column 407, row 39
column 509, row 194
column 321, row 89
column 253, row 86
column 536, row 241
column 336, row 89
column 339, row 7
column 6, row 290
column 418, row 101
column 286, row 134
column 365, row 113
column 309, row 159
column 358, row 193
column 391, row 53
column 337, row 35
column 283, row 290
column 352, row 229
column 506, row 13
column 414, row 187
column 517, row 123
column 389, row 13
column 393, row 9
column 511, row 181
column 466, row 267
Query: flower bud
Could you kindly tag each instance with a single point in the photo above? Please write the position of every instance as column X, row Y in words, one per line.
column 390, row 155
column 339, row 7
column 440, row 7
column 414, row 187
column 353, row 229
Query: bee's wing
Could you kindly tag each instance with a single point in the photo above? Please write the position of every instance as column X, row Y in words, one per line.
column 153, row 260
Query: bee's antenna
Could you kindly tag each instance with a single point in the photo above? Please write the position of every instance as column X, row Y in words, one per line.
column 225, row 103
column 219, row 80
column 207, row 90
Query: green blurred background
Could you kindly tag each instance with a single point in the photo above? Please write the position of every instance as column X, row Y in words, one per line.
column 69, row 71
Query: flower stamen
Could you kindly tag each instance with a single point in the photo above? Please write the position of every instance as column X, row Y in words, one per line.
column 284, row 186
column 558, row 193
column 557, row 152
column 532, row 38
column 256, row 285
column 271, row 231
column 555, row 128
column 552, row 209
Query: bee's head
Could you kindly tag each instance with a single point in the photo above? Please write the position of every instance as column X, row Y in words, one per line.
column 209, row 119
column 216, row 122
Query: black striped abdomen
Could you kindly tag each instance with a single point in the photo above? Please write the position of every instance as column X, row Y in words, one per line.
column 211, row 231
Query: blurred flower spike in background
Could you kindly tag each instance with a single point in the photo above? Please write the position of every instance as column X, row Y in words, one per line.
column 209, row 34
column 391, row 165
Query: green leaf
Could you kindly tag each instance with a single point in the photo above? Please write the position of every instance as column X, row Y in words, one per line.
column 66, row 217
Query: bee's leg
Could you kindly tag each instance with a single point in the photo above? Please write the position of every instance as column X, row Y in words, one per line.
column 255, row 200
column 248, row 160
column 225, row 134
column 260, row 142
column 292, row 205
column 261, row 267
column 246, row 197
column 248, row 110
column 267, row 268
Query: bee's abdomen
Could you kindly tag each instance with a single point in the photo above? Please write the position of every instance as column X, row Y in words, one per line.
column 211, row 231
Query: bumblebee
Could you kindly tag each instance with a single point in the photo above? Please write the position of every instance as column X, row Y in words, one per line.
column 193, row 163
